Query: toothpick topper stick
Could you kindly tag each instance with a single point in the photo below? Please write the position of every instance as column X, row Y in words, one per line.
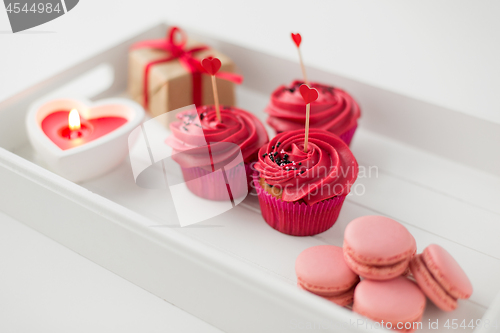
column 297, row 39
column 212, row 66
column 309, row 95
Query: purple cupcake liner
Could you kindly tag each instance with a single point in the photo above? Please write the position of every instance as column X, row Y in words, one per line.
column 298, row 219
column 207, row 185
column 347, row 136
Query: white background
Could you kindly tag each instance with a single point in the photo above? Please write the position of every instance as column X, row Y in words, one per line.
column 445, row 52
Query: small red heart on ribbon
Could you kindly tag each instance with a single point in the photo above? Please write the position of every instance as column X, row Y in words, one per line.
column 308, row 94
column 297, row 39
column 211, row 65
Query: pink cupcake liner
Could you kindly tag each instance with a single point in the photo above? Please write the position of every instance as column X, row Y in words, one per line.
column 347, row 136
column 298, row 219
column 207, row 185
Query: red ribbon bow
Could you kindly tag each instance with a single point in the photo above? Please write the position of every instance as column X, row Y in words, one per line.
column 177, row 50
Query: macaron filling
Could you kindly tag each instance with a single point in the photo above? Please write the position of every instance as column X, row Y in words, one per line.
column 377, row 272
column 430, row 286
column 343, row 298
column 446, row 271
column 328, row 292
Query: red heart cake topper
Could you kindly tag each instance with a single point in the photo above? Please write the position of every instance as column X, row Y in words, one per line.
column 211, row 65
column 297, row 39
column 308, row 94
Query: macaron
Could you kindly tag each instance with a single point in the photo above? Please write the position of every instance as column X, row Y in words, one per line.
column 322, row 270
column 342, row 299
column 397, row 303
column 440, row 277
column 377, row 247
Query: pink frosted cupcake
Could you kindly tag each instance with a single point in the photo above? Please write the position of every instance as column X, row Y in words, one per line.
column 334, row 111
column 300, row 193
column 209, row 151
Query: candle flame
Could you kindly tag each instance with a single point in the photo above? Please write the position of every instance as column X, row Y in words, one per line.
column 74, row 120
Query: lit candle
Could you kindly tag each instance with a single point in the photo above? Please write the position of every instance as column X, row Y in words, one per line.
column 79, row 139
column 74, row 130
column 68, row 130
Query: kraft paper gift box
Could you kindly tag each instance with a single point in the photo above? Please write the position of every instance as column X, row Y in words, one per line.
column 180, row 80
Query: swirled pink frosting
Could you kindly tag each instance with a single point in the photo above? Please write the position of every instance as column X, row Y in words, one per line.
column 239, row 130
column 334, row 110
column 328, row 169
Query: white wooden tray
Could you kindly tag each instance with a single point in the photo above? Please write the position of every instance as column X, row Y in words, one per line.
column 434, row 170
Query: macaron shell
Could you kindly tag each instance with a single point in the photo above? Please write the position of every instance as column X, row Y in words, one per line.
column 396, row 300
column 343, row 299
column 446, row 270
column 407, row 271
column 328, row 294
column 430, row 286
column 323, row 271
column 377, row 272
column 410, row 330
column 378, row 240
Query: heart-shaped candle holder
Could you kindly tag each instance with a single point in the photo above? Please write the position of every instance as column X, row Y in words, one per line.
column 97, row 147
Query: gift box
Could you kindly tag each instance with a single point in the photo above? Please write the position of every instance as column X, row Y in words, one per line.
column 166, row 74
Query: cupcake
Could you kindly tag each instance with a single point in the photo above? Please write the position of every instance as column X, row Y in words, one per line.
column 203, row 146
column 334, row 111
column 300, row 193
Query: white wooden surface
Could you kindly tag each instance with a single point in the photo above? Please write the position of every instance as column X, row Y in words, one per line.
column 47, row 288
column 440, row 201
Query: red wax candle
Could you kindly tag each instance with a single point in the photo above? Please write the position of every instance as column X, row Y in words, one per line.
column 56, row 127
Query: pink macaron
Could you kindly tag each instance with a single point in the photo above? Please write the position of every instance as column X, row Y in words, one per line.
column 377, row 247
column 322, row 270
column 397, row 303
column 440, row 277
column 343, row 299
